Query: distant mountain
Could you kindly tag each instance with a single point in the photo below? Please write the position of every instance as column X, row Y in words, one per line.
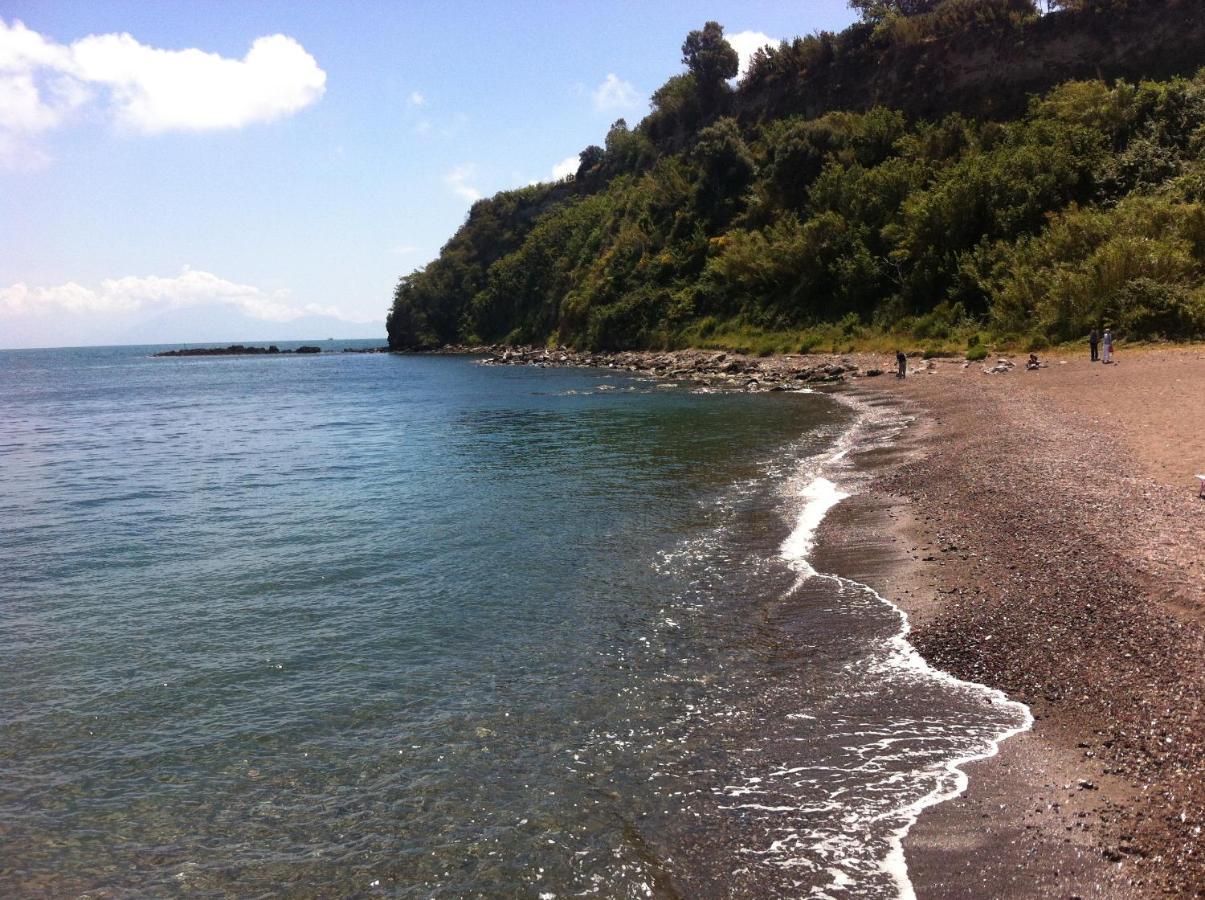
column 197, row 325
column 207, row 325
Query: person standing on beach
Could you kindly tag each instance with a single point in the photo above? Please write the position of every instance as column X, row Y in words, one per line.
column 1093, row 340
column 1107, row 342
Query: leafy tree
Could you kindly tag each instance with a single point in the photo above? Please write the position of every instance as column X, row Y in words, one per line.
column 877, row 10
column 711, row 60
column 677, row 112
column 589, row 159
column 725, row 169
column 626, row 151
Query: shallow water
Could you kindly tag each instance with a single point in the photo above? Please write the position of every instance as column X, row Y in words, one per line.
column 357, row 624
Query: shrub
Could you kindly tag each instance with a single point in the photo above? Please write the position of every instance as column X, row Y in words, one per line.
column 977, row 353
column 809, row 343
column 1152, row 309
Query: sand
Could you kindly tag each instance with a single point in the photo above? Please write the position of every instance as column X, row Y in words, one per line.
column 1046, row 539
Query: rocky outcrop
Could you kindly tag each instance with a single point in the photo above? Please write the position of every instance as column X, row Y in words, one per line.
column 232, row 350
column 703, row 367
column 236, row 350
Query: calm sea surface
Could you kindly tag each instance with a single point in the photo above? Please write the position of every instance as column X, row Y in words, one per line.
column 356, row 625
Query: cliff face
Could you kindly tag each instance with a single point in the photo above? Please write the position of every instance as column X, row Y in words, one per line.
column 984, row 66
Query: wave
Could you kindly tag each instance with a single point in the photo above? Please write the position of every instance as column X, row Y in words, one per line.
column 819, row 486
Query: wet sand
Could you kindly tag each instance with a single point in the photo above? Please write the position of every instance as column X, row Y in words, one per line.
column 1043, row 533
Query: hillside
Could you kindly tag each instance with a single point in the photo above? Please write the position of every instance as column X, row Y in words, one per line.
column 929, row 174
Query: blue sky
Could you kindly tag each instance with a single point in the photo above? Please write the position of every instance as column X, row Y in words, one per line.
column 141, row 179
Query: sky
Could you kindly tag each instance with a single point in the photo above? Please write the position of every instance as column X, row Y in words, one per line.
column 229, row 170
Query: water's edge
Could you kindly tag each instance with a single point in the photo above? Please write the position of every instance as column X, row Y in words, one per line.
column 822, row 494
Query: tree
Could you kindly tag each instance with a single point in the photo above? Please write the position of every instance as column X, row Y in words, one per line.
column 877, row 10
column 725, row 169
column 589, row 160
column 711, row 60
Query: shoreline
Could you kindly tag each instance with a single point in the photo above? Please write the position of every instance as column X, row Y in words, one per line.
column 871, row 535
column 835, row 536
column 1094, row 621
column 990, row 523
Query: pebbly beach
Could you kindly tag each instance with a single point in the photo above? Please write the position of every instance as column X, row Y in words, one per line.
column 1049, row 544
column 1042, row 531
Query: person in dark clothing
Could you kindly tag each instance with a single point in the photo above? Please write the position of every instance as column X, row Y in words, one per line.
column 1093, row 341
column 901, row 362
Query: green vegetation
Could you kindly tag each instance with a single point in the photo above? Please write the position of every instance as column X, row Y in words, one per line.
column 728, row 219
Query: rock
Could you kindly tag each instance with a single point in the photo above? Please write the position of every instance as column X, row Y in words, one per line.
column 232, row 350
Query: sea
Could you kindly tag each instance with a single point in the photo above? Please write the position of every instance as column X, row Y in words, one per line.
column 358, row 625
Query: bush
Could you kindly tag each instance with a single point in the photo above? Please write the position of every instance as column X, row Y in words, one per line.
column 809, row 343
column 1149, row 309
column 977, row 353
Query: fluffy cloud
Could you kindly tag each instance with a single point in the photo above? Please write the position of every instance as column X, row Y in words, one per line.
column 459, row 181
column 134, row 293
column 566, row 167
column 615, row 95
column 746, row 43
column 189, row 90
column 416, row 98
column 145, row 89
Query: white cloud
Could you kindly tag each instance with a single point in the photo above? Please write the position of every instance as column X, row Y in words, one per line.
column 615, row 95
column 416, row 98
column 190, row 90
column 403, row 249
column 140, row 293
column 746, row 43
column 22, row 49
column 566, row 167
column 23, row 109
column 146, row 89
column 458, row 180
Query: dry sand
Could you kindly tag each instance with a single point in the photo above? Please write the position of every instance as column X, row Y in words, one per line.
column 1047, row 540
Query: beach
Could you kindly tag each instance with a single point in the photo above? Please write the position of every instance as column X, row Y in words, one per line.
column 711, row 606
column 1041, row 529
column 1047, row 541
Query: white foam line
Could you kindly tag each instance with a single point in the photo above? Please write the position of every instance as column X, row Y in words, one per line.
column 821, row 495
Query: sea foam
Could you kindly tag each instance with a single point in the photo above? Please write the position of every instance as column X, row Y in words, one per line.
column 816, row 494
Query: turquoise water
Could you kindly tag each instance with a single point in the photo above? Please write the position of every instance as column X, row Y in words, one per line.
column 411, row 626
